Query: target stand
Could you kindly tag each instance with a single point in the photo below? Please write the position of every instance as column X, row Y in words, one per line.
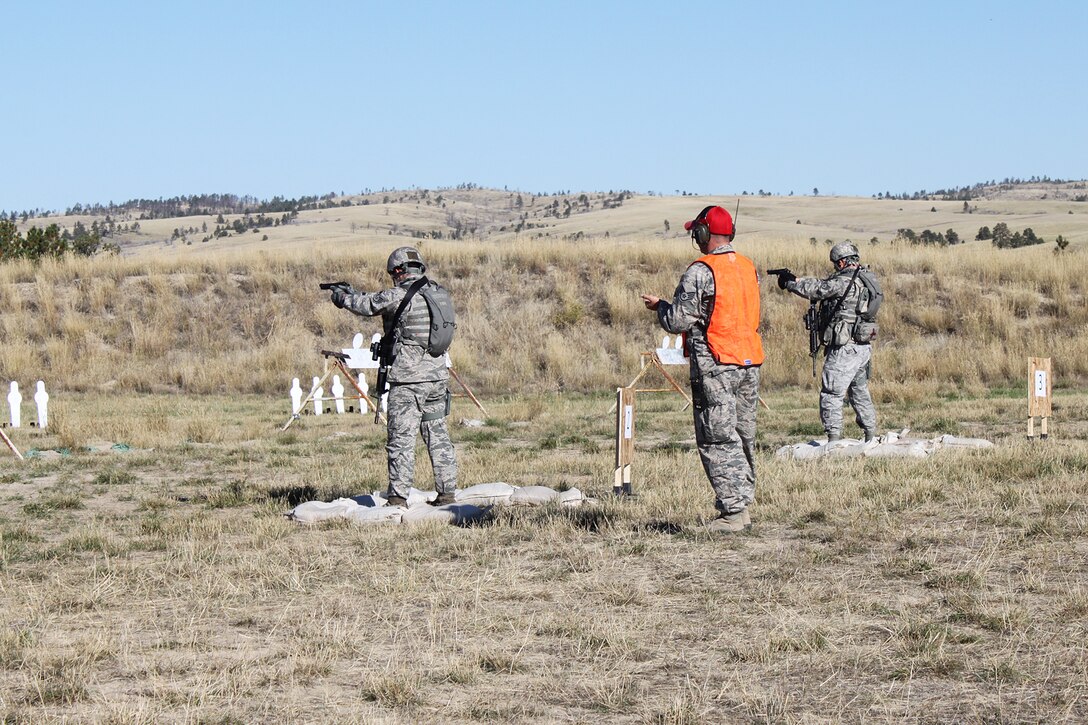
column 1039, row 391
column 334, row 363
column 652, row 361
column 625, row 441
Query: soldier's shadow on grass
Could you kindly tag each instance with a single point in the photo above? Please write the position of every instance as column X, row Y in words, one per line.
column 594, row 519
column 293, row 495
column 659, row 527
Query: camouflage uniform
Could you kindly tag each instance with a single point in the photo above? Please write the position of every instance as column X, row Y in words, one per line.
column 848, row 366
column 418, row 385
column 724, row 396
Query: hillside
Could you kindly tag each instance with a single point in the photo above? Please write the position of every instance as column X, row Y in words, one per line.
column 543, row 316
column 391, row 218
column 550, row 306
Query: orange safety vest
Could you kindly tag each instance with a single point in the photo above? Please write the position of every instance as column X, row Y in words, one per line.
column 733, row 329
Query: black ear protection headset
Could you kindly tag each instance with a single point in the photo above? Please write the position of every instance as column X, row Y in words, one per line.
column 700, row 230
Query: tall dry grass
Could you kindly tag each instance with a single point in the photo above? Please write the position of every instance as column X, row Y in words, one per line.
column 543, row 315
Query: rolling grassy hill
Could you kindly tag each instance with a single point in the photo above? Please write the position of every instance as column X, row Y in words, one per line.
column 388, row 218
column 553, row 306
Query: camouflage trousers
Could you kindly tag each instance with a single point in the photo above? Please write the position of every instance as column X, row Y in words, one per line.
column 846, row 372
column 725, row 433
column 408, row 405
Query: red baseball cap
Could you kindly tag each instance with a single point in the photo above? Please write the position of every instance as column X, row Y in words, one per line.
column 718, row 219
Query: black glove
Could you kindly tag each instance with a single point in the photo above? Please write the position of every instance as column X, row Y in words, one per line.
column 785, row 278
column 339, row 297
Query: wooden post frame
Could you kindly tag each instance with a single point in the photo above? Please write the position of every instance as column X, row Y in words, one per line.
column 468, row 391
column 10, row 445
column 656, row 364
column 1040, row 385
column 625, row 441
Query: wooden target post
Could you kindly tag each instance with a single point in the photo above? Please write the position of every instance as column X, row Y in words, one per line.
column 1039, row 389
column 625, row 441
column 10, row 445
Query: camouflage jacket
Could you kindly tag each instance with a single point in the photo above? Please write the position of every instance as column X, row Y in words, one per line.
column 843, row 284
column 412, row 363
column 690, row 311
column 822, row 289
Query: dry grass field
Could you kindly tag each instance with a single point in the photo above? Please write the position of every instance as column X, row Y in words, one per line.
column 162, row 584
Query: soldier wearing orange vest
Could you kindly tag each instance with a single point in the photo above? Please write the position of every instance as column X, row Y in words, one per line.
column 716, row 306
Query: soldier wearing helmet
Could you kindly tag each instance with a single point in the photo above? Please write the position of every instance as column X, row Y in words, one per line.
column 716, row 306
column 849, row 300
column 418, row 381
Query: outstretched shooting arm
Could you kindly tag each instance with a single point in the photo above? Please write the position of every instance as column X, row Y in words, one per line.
column 369, row 304
column 815, row 290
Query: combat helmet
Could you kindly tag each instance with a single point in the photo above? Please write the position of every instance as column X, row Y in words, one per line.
column 403, row 257
column 842, row 250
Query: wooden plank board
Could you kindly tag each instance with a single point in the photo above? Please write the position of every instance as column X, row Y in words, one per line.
column 1040, row 384
column 625, row 439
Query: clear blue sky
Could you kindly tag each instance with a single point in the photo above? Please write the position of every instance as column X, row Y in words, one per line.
column 115, row 100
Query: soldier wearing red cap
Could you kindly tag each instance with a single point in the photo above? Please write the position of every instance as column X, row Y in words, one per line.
column 716, row 306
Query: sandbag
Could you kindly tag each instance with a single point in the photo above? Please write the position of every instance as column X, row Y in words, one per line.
column 892, row 444
column 801, row 451
column 901, row 449
column 951, row 441
column 571, row 497
column 415, row 496
column 467, row 513
column 457, row 514
column 314, row 511
column 845, row 448
column 375, row 514
column 485, row 493
column 533, row 496
column 421, row 513
column 473, row 504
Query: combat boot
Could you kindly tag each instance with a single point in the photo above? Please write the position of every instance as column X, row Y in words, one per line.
column 832, row 437
column 444, row 498
column 395, row 500
column 730, row 523
column 869, row 435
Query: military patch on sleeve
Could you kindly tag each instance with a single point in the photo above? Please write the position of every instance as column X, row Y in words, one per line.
column 686, row 296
